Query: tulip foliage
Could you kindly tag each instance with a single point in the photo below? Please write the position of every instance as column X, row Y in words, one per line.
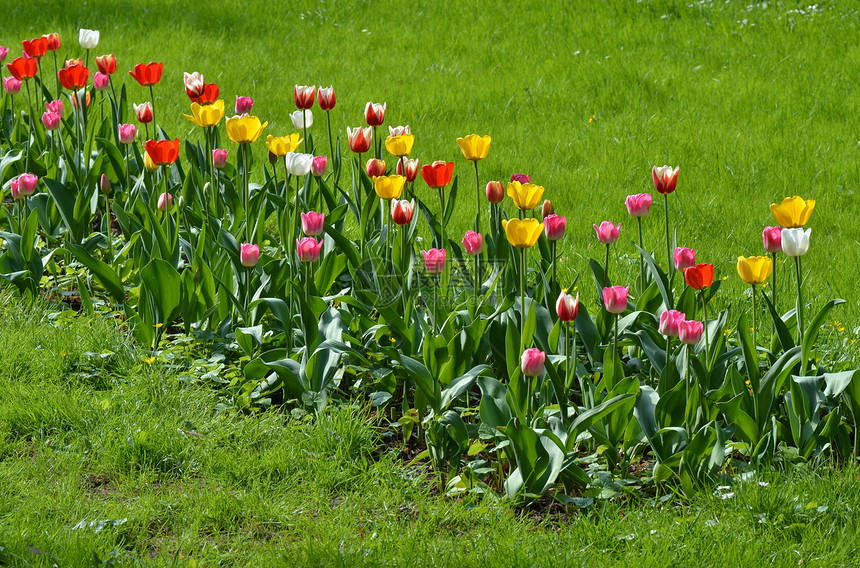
column 339, row 276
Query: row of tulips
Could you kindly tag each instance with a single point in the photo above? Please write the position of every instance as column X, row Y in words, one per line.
column 314, row 268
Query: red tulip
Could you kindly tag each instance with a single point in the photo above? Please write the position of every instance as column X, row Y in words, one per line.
column 438, row 174
column 304, row 96
column 665, row 178
column 375, row 168
column 36, row 47
column 74, row 77
column 567, row 307
column 23, row 68
column 699, row 276
column 208, row 95
column 106, row 64
column 495, row 191
column 162, row 152
column 374, row 113
column 359, row 139
column 615, row 299
column 326, row 98
column 402, row 210
column 147, row 74
column 53, row 41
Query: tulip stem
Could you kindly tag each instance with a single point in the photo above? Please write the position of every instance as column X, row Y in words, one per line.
column 668, row 243
column 477, row 199
column 30, row 121
column 109, row 231
column 705, row 322
column 441, row 218
column 330, row 141
column 152, row 100
column 773, row 291
column 523, row 309
column 606, row 272
column 641, row 258
column 755, row 344
column 554, row 260
column 436, row 302
column 477, row 281
column 800, row 326
column 56, row 75
column 247, row 193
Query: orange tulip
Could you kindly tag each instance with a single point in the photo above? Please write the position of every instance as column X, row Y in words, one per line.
column 22, row 68
column 162, row 152
column 699, row 276
column 74, row 77
column 147, row 74
column 438, row 174
column 36, row 47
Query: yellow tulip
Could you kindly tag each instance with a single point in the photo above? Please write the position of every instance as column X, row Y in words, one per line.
column 206, row 115
column 526, row 195
column 755, row 269
column 474, row 147
column 400, row 145
column 793, row 212
column 283, row 145
column 523, row 233
column 389, row 187
column 148, row 163
column 244, row 129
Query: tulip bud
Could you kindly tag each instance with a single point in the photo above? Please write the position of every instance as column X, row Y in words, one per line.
column 319, row 165
column 308, row 249
column 53, row 42
column 313, row 223
column 11, row 85
column 522, row 178
column 302, row 119
column 532, row 362
column 127, row 133
column 375, row 168
column 607, row 232
column 24, row 185
column 298, row 164
column 249, row 255
column 100, row 81
column 374, row 113
column 195, row 85
column 546, row 209
column 670, row 322
column 434, row 260
column 665, row 178
column 244, row 105
column 690, row 331
column 495, row 191
column 772, row 237
column 104, row 184
column 402, row 210
column 304, row 96
column 106, row 64
column 51, row 120
column 567, row 307
column 88, row 38
column 181, row 203
column 684, row 258
column 143, row 112
column 473, row 243
column 795, row 241
column 411, row 169
column 165, row 200
column 700, row 276
column 615, row 299
column 553, row 226
column 148, row 163
column 326, row 98
column 638, row 205
column 219, row 158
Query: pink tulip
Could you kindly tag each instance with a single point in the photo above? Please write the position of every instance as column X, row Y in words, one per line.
column 244, row 105
column 434, row 260
column 473, row 243
column 374, row 113
column 375, row 168
column 607, row 232
column 24, row 185
column 402, row 210
column 319, row 165
column 665, row 178
column 638, row 205
column 249, row 255
column 56, row 106
column 553, row 226
column 100, row 81
column 104, row 184
column 495, row 191
column 51, row 120
column 690, row 331
column 165, row 200
column 532, row 362
column 4, row 51
column 127, row 133
column 615, row 299
column 772, row 237
column 567, row 307
column 309, row 249
column 411, row 169
column 684, row 258
column 11, row 85
column 522, row 178
column 670, row 323
column 313, row 223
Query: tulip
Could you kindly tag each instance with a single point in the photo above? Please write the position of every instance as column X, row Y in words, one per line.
column 53, row 40
column 195, row 85
column 474, row 147
column 684, row 258
column 793, row 212
column 88, row 38
column 206, row 115
column 402, row 210
column 219, row 158
column 165, row 200
column 244, row 129
column 700, row 276
column 70, row 62
column 554, row 227
column 374, row 168
column 304, row 96
column 532, row 362
column 615, row 299
column 35, row 47
column 143, row 112
column 249, row 255
column 106, row 64
column 374, row 113
column 399, row 130
column 24, row 185
column 665, row 178
column 162, row 152
column 208, row 96
column 495, row 191
column 526, row 196
column 473, row 243
column 104, row 184
column 4, row 51
column 411, row 167
column 567, row 307
column 11, row 85
column 313, row 223
column 795, row 243
column 100, row 81
column 389, row 187
column 244, row 105
column 690, row 331
column 23, row 68
column 326, row 98
column 546, row 209
column 523, row 233
column 51, row 120
column 607, row 232
column 521, row 178
column 74, row 77
column 772, row 237
column 149, row 164
column 282, row 145
column 400, row 145
column 55, row 106
column 147, row 74
column 670, row 323
column 438, row 174
column 81, row 95
column 434, row 260
column 359, row 139
column 302, row 119
column 298, row 164
column 638, row 205
column 755, row 270
column 319, row 165
column 127, row 133
column 308, row 249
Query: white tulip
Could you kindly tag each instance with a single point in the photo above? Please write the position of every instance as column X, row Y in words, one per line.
column 298, row 164
column 795, row 242
column 88, row 38
column 298, row 122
